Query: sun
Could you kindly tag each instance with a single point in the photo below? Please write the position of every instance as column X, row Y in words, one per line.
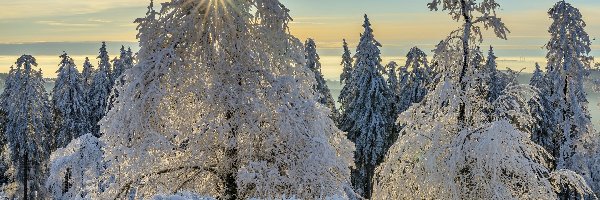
column 215, row 6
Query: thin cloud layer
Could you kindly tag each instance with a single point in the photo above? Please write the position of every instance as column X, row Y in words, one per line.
column 39, row 8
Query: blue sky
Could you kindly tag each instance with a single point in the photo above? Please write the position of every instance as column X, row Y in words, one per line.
column 45, row 28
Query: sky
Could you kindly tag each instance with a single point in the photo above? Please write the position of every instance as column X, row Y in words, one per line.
column 46, row 28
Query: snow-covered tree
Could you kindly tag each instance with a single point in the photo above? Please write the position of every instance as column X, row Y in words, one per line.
column 312, row 62
column 87, row 75
column 568, row 65
column 495, row 161
column 542, row 134
column 124, row 62
column 366, row 114
column 347, row 91
column 221, row 104
column 394, row 87
column 121, row 64
column 493, row 78
column 7, row 100
column 416, row 82
column 75, row 169
column 452, row 149
column 570, row 185
column 104, row 61
column 28, row 130
column 472, row 13
column 69, row 105
column 347, row 64
column 100, row 91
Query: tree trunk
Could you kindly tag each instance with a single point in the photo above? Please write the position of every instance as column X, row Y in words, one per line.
column 25, row 175
column 231, row 153
column 465, row 65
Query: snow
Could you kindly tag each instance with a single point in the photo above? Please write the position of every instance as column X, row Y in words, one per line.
column 227, row 113
column 365, row 116
column 222, row 102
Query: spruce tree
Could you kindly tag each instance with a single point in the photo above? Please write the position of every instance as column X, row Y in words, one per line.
column 100, row 91
column 345, row 79
column 416, row 82
column 314, row 65
column 28, row 130
column 69, row 106
column 543, row 113
column 492, row 77
column 395, row 90
column 366, row 115
column 569, row 64
column 87, row 75
column 347, row 62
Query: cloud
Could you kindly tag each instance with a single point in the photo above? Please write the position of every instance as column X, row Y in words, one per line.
column 65, row 24
column 22, row 9
column 99, row 20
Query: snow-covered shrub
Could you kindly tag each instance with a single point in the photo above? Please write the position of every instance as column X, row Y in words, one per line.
column 75, row 169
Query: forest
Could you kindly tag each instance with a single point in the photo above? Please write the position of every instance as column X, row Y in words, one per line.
column 222, row 101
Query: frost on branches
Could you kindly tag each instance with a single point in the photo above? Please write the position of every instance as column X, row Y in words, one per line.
column 70, row 108
column 569, row 64
column 27, row 130
column 345, row 78
column 570, row 185
column 99, row 91
column 450, row 148
column 429, row 167
column 121, row 64
column 182, row 196
column 312, row 62
column 543, row 113
column 416, row 82
column 75, row 168
column 394, row 88
column 346, row 63
column 87, row 75
column 365, row 116
column 221, row 105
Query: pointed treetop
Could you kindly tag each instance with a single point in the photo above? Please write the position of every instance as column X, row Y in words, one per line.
column 26, row 61
column 65, row 61
column 491, row 53
column 312, row 58
column 103, row 48
column 416, row 58
column 392, row 65
column 65, row 57
column 346, row 63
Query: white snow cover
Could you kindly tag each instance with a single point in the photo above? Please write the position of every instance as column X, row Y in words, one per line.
column 74, row 169
column 227, row 111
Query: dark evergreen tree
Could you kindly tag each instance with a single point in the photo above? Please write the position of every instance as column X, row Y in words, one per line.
column 68, row 100
column 366, row 114
column 28, row 129
column 312, row 62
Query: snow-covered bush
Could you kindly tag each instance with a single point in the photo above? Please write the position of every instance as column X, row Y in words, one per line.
column 570, row 185
column 182, row 196
column 75, row 169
